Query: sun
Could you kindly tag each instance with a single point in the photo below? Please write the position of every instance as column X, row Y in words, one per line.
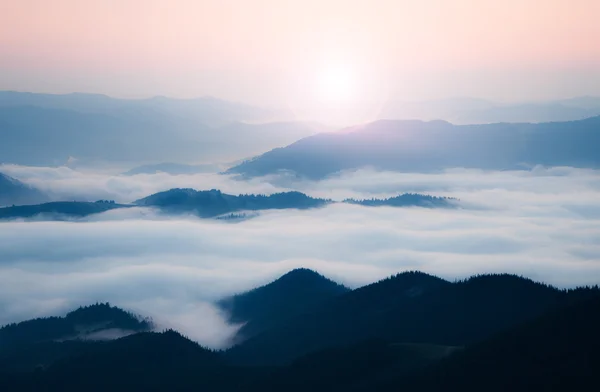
column 337, row 84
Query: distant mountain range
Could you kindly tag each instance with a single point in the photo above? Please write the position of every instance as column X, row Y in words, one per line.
column 480, row 111
column 417, row 331
column 214, row 202
column 13, row 191
column 96, row 128
column 206, row 110
column 210, row 204
column 417, row 146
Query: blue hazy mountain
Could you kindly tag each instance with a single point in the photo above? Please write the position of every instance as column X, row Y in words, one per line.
column 98, row 128
column 479, row 111
column 206, row 110
column 214, row 203
column 13, row 191
column 428, row 146
column 59, row 210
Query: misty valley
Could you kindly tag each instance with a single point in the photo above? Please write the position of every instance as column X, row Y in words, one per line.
column 163, row 244
column 299, row 196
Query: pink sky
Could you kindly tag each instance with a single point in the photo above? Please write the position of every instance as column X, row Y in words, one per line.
column 263, row 51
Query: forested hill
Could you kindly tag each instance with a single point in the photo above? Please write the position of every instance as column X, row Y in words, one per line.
column 214, row 202
column 420, row 332
column 268, row 306
column 80, row 323
column 407, row 200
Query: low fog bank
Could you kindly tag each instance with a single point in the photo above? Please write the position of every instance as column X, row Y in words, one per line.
column 543, row 224
column 64, row 183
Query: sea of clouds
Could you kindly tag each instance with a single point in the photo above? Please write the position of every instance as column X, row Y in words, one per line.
column 542, row 223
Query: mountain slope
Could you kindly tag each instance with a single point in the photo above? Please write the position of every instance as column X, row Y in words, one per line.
column 435, row 145
column 145, row 361
column 13, row 191
column 43, row 341
column 408, row 308
column 293, row 294
column 557, row 351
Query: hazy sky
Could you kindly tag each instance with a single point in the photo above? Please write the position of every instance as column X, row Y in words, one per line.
column 287, row 51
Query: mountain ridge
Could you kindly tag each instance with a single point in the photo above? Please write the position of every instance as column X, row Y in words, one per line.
column 420, row 146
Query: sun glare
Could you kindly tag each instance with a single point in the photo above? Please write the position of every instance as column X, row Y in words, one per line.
column 337, row 84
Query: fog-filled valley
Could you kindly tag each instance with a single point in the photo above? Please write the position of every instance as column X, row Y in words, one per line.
column 299, row 195
column 205, row 244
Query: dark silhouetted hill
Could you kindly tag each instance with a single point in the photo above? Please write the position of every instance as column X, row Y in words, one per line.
column 512, row 333
column 352, row 367
column 428, row 146
column 76, row 324
column 407, row 308
column 142, row 362
column 58, row 210
column 557, row 351
column 266, row 307
column 13, row 191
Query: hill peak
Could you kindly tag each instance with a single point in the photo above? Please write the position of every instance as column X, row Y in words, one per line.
column 294, row 293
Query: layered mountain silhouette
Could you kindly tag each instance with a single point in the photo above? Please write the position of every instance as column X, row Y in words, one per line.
column 507, row 333
column 435, row 145
column 210, row 204
column 96, row 128
column 268, row 306
column 214, row 202
column 13, row 191
column 207, row 110
column 408, row 308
